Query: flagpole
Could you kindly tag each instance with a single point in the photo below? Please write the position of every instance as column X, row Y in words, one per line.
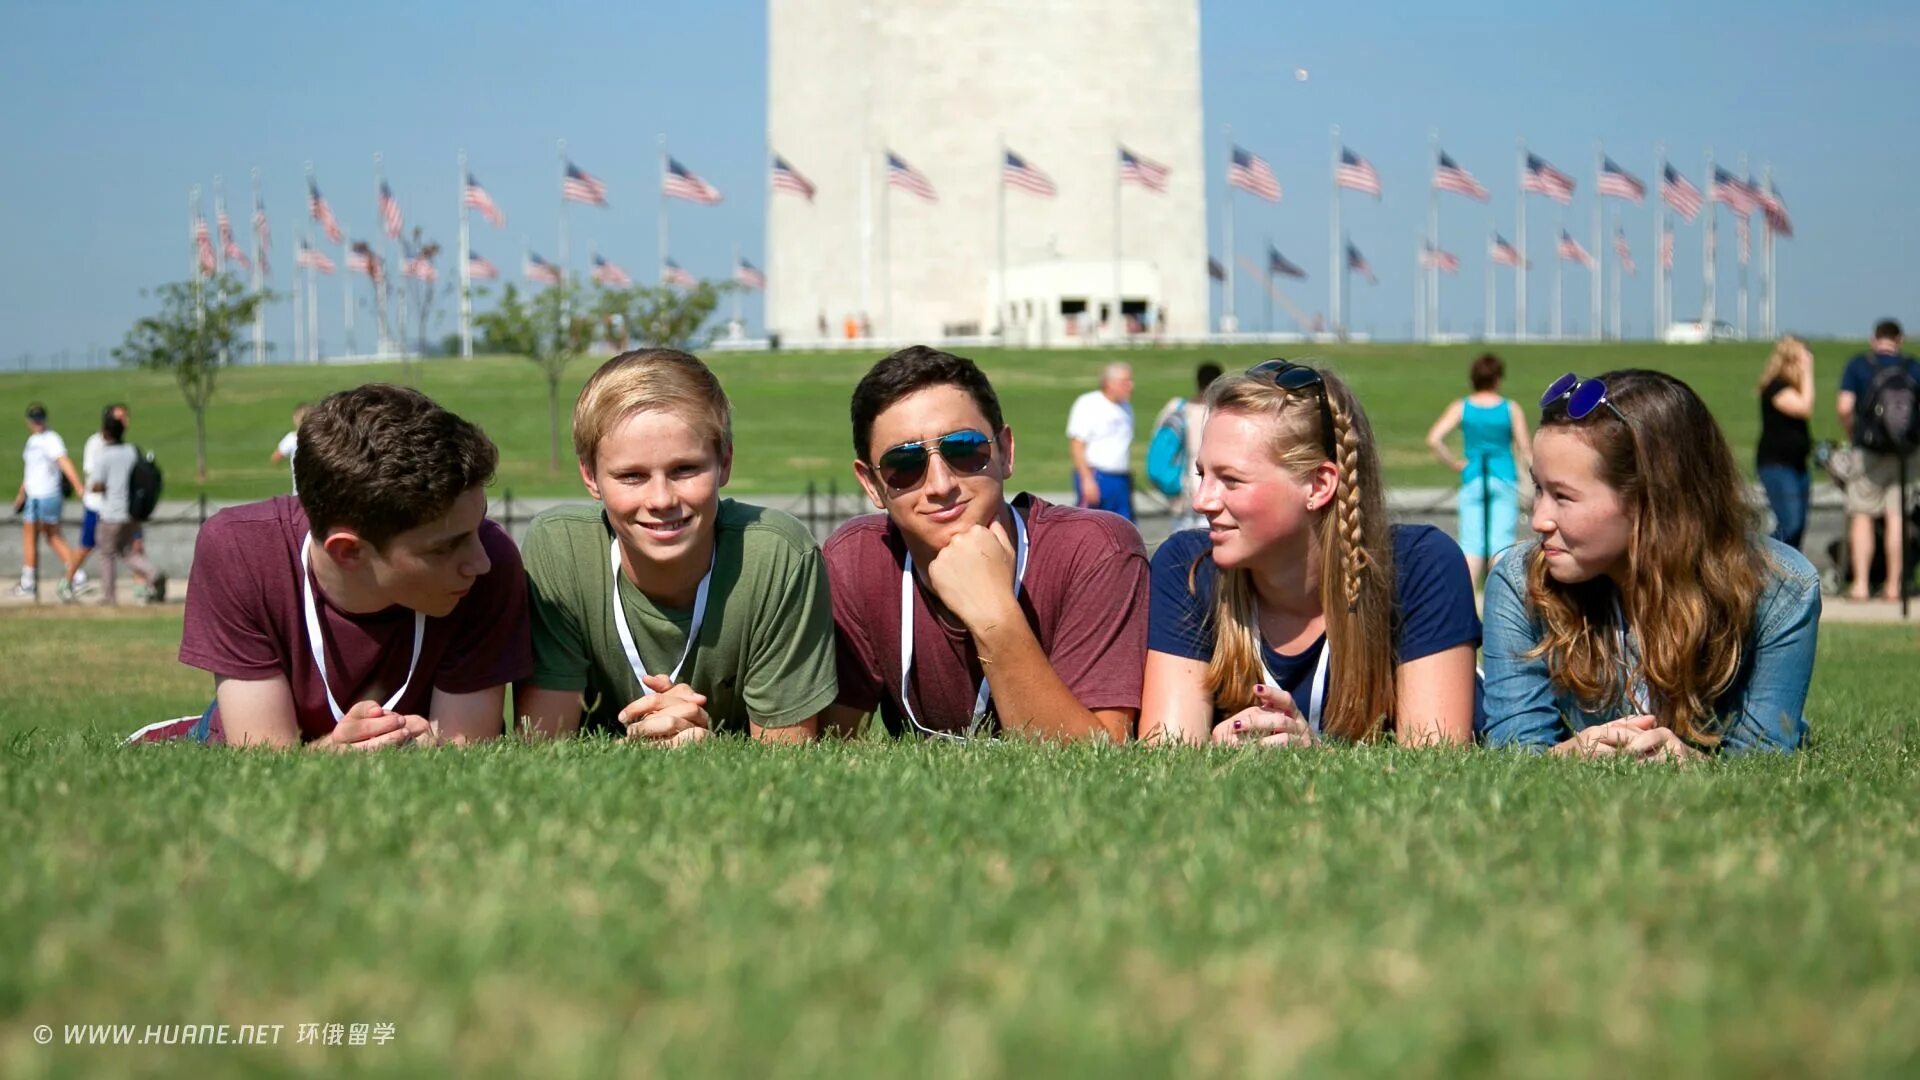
column 1229, row 323
column 1420, row 261
column 259, row 257
column 1559, row 277
column 1598, row 273
column 1660, row 317
column 379, row 301
column 193, row 237
column 313, row 311
column 1486, row 332
column 466, row 278
column 866, row 229
column 998, row 324
column 886, row 256
column 1433, row 239
column 1116, row 234
column 1768, row 315
column 1708, row 286
column 666, row 251
column 1616, row 298
column 299, row 311
column 1744, row 249
column 560, row 150
column 1335, row 257
column 1346, row 280
column 1520, row 238
column 738, row 324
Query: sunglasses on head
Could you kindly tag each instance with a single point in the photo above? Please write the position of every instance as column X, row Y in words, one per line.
column 1582, row 396
column 966, row 452
column 1298, row 378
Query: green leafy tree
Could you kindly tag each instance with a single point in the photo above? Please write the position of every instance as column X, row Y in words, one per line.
column 536, row 329
column 658, row 316
column 199, row 328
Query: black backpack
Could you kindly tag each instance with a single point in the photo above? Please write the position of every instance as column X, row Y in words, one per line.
column 143, row 487
column 1887, row 418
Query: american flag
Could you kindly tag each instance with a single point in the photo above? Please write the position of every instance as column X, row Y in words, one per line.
column 203, row 244
column 1745, row 230
column 479, row 269
column 390, row 218
column 228, row 245
column 1354, row 172
column 477, row 197
column 1449, row 176
column 907, row 178
column 749, row 275
column 1357, row 261
column 673, row 274
column 1215, row 270
column 1149, row 174
column 261, row 235
column 1571, row 251
column 1544, row 179
column 577, row 186
column 1444, row 261
column 1250, row 172
column 788, row 178
column 681, row 183
column 1621, row 251
column 362, row 260
column 313, row 259
column 1666, row 249
column 318, row 209
column 1017, row 172
column 1278, row 266
column 1619, row 183
column 1680, row 194
column 1776, row 211
column 1733, row 191
column 540, row 270
column 419, row 266
column 1503, row 253
column 609, row 274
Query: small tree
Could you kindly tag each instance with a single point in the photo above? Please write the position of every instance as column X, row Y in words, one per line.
column 422, row 292
column 199, row 327
column 660, row 316
column 535, row 329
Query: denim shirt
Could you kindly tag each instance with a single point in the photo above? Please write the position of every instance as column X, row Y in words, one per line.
column 1763, row 709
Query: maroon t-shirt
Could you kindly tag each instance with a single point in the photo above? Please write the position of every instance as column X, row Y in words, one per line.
column 246, row 620
column 1085, row 598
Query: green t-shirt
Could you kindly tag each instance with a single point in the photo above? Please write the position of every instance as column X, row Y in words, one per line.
column 765, row 650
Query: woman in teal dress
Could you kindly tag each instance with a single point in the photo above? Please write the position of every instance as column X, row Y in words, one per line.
column 1494, row 432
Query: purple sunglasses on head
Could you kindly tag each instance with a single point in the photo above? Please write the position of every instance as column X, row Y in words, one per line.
column 1581, row 395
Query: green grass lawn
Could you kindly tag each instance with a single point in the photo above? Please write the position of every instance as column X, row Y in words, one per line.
column 791, row 422
column 898, row 909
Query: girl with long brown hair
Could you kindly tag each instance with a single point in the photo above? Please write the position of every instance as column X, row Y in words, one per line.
column 1652, row 617
column 1299, row 614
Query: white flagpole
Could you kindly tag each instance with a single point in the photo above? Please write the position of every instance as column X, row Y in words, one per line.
column 1660, row 316
column 380, row 225
column 1520, row 239
column 1744, row 249
column 1420, row 291
column 1116, row 231
column 1598, row 272
column 193, row 236
column 886, row 256
column 346, row 283
column 1559, row 276
column 1335, row 257
column 1229, row 322
column 1768, row 314
column 219, row 208
column 560, row 147
column 666, row 251
column 866, row 230
column 299, row 312
column 466, row 279
column 1486, row 330
column 737, row 290
column 260, row 310
column 313, row 312
column 1433, row 238
column 998, row 324
column 1708, row 287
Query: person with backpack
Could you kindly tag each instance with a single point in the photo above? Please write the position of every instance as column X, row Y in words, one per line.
column 1879, row 406
column 114, row 465
column 1175, row 446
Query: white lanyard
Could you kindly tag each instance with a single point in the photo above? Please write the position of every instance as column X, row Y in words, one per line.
column 906, row 634
column 1318, row 687
column 626, row 635
column 1636, row 688
column 319, row 649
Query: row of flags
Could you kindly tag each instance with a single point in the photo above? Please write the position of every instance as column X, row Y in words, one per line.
column 363, row 260
column 1499, row 251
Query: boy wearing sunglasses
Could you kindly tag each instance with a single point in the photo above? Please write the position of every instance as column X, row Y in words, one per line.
column 666, row 613
column 958, row 611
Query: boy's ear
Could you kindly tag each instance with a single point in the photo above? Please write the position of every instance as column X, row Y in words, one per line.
column 870, row 482
column 346, row 548
column 1006, row 451
column 726, row 465
column 586, row 477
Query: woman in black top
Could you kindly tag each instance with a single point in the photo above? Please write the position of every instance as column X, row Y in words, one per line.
column 1786, row 400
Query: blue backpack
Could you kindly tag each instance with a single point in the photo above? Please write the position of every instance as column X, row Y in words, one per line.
column 1167, row 452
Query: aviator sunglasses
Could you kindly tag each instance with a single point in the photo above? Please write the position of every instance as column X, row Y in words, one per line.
column 967, row 453
column 1298, row 378
column 1581, row 395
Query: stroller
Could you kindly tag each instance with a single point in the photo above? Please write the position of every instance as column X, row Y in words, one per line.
column 1842, row 464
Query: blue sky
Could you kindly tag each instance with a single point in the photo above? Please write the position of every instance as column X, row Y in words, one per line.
column 109, row 112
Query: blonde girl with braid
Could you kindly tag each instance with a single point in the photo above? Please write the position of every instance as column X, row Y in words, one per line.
column 1299, row 614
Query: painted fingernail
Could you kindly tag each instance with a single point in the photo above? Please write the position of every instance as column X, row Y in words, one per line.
column 1238, row 724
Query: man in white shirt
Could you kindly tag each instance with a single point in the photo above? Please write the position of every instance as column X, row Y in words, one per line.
column 39, row 503
column 1100, row 435
column 92, row 500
